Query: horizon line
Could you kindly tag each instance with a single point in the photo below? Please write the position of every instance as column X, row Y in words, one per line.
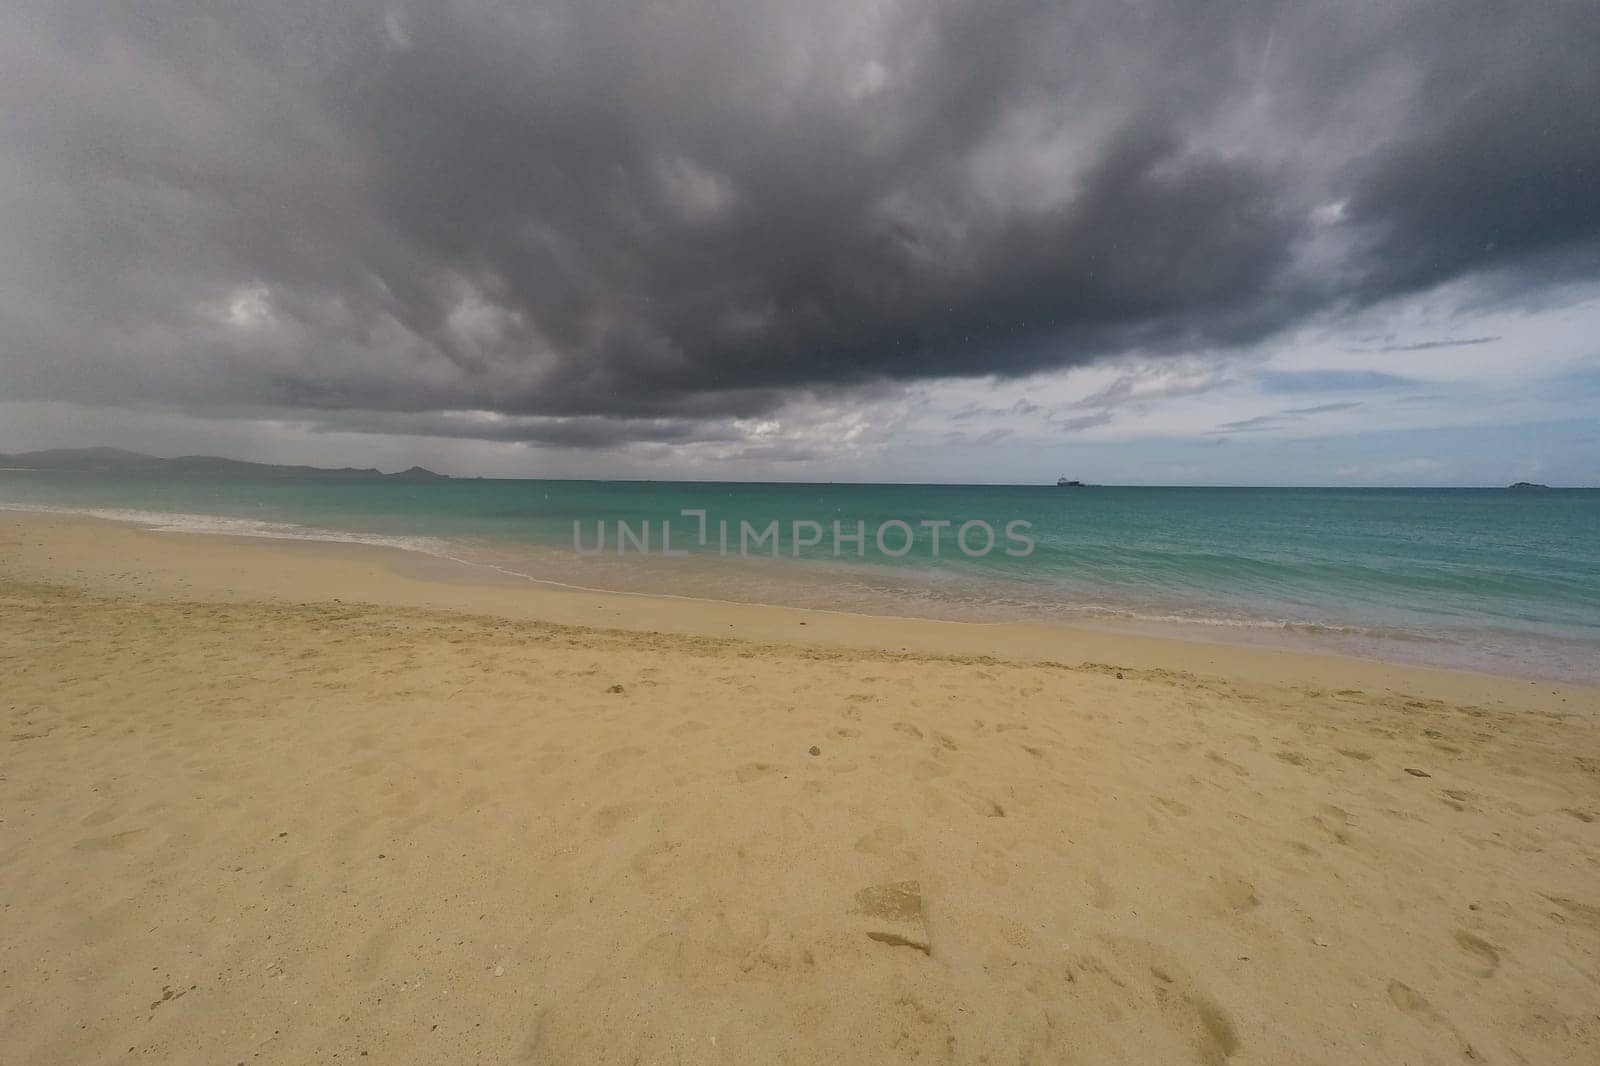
column 745, row 481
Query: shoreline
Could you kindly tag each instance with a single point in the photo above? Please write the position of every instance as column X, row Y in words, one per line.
column 385, row 575
column 1497, row 637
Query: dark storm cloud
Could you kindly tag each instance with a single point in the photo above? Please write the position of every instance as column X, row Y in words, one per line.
column 613, row 222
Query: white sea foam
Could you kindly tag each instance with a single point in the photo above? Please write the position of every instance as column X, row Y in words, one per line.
column 1237, row 622
column 220, row 525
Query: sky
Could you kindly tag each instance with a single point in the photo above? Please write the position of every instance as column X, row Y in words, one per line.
column 1148, row 242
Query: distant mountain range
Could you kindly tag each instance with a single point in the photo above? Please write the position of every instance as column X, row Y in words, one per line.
column 120, row 461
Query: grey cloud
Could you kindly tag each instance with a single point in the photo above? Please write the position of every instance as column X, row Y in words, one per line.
column 1141, row 385
column 591, row 431
column 1298, row 381
column 1156, row 382
column 1022, row 407
column 774, row 452
column 991, row 436
column 1283, row 418
column 609, row 223
column 1500, row 163
column 1251, row 425
column 1425, row 346
column 1082, row 422
column 1322, row 408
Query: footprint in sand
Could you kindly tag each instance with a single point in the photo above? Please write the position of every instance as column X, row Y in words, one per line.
column 1487, row 954
column 754, row 771
column 658, row 863
column 99, row 817
column 1189, row 1012
column 1217, row 1039
column 985, row 806
column 616, row 758
column 607, row 820
column 284, row 876
column 1172, row 806
column 687, row 726
column 992, row 865
column 1222, row 760
column 899, row 901
column 894, row 915
column 1576, row 910
column 1234, row 895
column 1409, row 1001
column 884, row 840
column 1101, row 894
column 369, row 962
column 108, row 842
column 1334, row 821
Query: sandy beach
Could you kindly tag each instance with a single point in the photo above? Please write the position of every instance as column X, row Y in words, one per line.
column 276, row 801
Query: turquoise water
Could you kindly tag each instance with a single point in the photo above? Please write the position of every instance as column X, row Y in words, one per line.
column 1490, row 579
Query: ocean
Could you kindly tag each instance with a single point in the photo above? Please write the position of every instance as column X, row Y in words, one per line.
column 1488, row 579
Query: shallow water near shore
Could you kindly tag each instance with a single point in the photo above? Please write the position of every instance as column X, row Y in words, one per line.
column 1506, row 582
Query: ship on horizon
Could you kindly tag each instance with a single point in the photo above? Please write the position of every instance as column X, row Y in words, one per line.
column 1068, row 483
